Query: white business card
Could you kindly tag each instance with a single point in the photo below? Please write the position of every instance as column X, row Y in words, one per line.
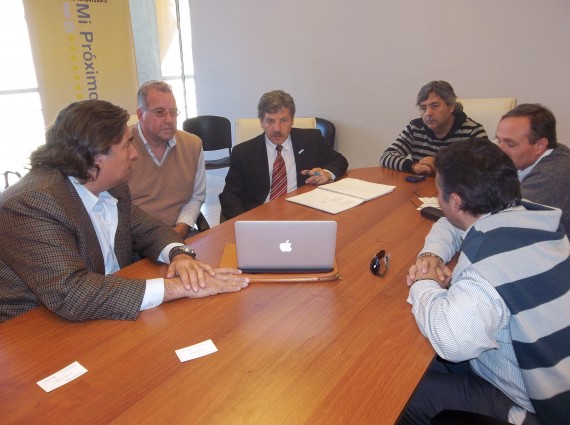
column 65, row 375
column 195, row 351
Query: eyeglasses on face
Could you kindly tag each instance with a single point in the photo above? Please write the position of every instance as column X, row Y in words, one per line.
column 380, row 263
column 161, row 112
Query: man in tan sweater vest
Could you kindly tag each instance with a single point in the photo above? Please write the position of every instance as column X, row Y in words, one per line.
column 169, row 178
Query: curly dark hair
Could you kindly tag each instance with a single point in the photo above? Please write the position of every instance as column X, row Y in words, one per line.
column 81, row 131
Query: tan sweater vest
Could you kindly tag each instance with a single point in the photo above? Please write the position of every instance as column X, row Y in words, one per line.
column 162, row 190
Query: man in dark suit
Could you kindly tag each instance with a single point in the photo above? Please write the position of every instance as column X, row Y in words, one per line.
column 307, row 157
column 69, row 224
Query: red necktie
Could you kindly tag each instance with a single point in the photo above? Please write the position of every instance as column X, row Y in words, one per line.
column 279, row 176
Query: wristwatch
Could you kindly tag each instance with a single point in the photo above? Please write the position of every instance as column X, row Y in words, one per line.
column 182, row 249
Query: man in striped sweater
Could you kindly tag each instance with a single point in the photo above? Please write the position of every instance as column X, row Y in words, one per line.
column 442, row 122
column 499, row 323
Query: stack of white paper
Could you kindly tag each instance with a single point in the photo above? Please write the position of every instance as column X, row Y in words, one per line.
column 341, row 195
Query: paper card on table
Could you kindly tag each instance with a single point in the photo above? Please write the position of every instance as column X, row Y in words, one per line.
column 65, row 375
column 429, row 202
column 197, row 350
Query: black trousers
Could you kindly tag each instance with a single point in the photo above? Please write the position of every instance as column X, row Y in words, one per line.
column 454, row 386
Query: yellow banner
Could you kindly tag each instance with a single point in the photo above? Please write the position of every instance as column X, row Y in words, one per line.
column 82, row 50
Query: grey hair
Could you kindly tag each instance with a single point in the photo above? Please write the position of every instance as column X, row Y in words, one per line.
column 444, row 90
column 274, row 100
column 146, row 87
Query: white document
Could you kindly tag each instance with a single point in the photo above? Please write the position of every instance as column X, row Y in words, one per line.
column 358, row 188
column 195, row 351
column 65, row 375
column 429, row 202
column 341, row 195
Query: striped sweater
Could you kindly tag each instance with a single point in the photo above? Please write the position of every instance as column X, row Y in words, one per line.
column 419, row 141
column 536, row 289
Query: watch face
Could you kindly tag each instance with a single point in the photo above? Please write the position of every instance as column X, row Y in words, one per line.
column 188, row 250
column 184, row 249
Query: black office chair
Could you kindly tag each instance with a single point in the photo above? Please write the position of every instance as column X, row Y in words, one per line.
column 202, row 223
column 216, row 134
column 327, row 129
column 6, row 177
column 454, row 417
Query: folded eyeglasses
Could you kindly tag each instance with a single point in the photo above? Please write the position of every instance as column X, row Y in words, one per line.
column 380, row 263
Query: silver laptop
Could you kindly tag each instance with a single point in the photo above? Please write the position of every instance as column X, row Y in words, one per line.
column 285, row 246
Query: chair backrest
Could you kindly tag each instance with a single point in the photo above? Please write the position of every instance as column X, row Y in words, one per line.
column 248, row 128
column 327, row 129
column 7, row 178
column 133, row 120
column 215, row 131
column 488, row 111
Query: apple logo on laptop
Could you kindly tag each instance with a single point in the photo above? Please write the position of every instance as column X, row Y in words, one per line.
column 285, row 246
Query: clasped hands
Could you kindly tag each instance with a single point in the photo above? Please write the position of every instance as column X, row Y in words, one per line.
column 429, row 267
column 424, row 166
column 317, row 176
column 187, row 277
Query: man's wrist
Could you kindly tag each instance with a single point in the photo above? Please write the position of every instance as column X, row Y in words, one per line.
column 413, row 166
column 181, row 249
column 183, row 225
column 430, row 254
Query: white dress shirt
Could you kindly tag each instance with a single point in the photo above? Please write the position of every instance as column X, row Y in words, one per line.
column 104, row 216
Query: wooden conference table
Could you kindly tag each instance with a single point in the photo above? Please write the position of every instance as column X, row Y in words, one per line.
column 341, row 352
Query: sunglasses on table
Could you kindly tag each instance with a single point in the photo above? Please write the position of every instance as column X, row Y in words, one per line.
column 380, row 263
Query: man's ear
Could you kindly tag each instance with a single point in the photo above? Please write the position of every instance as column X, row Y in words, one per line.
column 455, row 201
column 542, row 145
column 98, row 160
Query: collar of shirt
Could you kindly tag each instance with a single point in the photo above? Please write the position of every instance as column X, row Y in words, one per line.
column 272, row 152
column 169, row 145
column 527, row 170
column 104, row 216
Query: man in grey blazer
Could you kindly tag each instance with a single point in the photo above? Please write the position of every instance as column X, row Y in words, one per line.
column 69, row 224
column 308, row 158
column 527, row 134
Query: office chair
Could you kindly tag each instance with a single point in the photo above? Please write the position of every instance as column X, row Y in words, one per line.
column 327, row 129
column 488, row 111
column 202, row 223
column 454, row 417
column 6, row 177
column 216, row 134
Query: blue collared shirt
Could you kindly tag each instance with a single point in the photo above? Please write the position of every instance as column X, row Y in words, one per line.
column 527, row 170
column 104, row 216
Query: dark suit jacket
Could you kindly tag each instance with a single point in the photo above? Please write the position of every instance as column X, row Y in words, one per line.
column 248, row 181
column 50, row 254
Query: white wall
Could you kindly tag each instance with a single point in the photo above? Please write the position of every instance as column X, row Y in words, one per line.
column 360, row 64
